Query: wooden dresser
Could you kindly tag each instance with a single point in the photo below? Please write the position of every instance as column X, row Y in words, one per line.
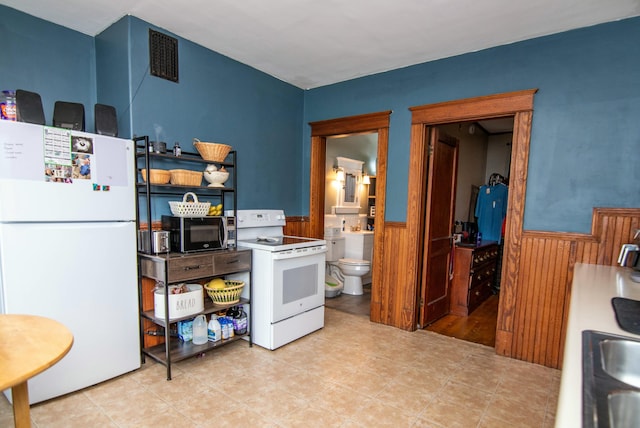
column 474, row 270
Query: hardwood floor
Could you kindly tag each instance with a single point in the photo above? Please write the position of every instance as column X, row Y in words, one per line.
column 479, row 327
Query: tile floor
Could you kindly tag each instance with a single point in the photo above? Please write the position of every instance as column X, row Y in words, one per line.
column 356, row 305
column 352, row 373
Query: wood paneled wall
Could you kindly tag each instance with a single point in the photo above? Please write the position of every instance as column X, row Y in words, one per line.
column 297, row 226
column 543, row 285
column 389, row 299
column 543, row 280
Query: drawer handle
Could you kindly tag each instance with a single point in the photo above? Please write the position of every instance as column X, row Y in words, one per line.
column 193, row 267
column 233, row 261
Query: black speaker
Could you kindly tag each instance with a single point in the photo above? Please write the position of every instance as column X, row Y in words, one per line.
column 29, row 107
column 68, row 115
column 106, row 120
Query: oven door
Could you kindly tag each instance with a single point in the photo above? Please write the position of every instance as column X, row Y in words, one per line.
column 298, row 283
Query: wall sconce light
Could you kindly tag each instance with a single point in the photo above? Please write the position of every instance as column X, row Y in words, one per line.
column 340, row 175
column 366, row 180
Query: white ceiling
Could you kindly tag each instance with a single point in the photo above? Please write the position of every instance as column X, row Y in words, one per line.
column 312, row 43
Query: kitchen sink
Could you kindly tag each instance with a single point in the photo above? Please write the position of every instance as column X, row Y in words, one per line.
column 610, row 380
column 624, row 409
column 621, row 360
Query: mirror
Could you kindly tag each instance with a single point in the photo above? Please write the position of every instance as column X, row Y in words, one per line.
column 350, row 181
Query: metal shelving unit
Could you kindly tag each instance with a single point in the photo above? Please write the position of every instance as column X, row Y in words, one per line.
column 174, row 268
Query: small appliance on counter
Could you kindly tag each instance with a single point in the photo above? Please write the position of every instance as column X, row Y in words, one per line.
column 190, row 234
column 159, row 242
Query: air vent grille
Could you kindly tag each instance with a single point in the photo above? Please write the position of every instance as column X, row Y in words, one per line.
column 163, row 56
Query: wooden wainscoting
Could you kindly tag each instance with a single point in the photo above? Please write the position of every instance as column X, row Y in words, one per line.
column 389, row 287
column 543, row 287
column 297, row 226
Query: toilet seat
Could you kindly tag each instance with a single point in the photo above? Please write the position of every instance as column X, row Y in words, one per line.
column 354, row 262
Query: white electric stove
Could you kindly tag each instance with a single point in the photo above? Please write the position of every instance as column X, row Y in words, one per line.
column 288, row 278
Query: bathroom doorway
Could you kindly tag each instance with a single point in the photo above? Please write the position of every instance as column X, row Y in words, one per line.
column 374, row 123
column 362, row 147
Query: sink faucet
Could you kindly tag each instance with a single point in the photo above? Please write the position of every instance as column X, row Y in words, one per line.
column 625, row 251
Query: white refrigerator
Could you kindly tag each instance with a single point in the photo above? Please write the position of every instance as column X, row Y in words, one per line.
column 68, row 248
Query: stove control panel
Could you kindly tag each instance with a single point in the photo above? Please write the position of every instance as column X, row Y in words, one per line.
column 260, row 218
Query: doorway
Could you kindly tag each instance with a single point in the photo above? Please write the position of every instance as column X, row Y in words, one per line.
column 358, row 151
column 484, row 152
column 518, row 105
column 320, row 131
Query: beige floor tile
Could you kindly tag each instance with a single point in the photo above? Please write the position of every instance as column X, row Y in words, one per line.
column 311, row 417
column 376, row 413
column 453, row 414
column 339, row 399
column 515, row 412
column 351, row 373
column 413, row 400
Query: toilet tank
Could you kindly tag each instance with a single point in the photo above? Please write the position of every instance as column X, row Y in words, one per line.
column 335, row 248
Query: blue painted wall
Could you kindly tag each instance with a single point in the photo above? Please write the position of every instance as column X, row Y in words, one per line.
column 219, row 99
column 585, row 142
column 216, row 99
column 56, row 62
column 585, row 137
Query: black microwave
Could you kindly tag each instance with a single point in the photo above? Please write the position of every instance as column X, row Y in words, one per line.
column 189, row 234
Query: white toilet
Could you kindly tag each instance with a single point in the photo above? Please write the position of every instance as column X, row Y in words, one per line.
column 348, row 271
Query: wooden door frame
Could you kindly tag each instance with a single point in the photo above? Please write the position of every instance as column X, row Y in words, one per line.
column 518, row 105
column 366, row 123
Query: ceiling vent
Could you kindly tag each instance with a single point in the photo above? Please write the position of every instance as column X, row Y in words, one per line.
column 163, row 56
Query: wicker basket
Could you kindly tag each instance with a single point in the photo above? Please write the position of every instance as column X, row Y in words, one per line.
column 185, row 177
column 212, row 152
column 228, row 295
column 156, row 176
column 186, row 208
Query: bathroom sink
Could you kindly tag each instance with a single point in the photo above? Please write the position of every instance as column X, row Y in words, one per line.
column 610, row 380
column 623, row 409
column 621, row 360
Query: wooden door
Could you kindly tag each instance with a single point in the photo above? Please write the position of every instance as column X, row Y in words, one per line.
column 438, row 224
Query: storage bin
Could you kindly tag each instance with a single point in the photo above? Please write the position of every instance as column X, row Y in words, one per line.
column 180, row 305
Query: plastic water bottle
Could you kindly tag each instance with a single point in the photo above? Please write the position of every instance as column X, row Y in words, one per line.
column 200, row 330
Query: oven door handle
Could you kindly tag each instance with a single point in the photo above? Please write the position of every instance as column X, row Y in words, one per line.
column 300, row 252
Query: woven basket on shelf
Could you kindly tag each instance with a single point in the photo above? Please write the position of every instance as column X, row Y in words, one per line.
column 228, row 295
column 212, row 152
column 187, row 208
column 156, row 176
column 185, row 177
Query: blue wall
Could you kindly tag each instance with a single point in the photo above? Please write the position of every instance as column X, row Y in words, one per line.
column 46, row 58
column 586, row 126
column 216, row 99
column 219, row 99
column 585, row 146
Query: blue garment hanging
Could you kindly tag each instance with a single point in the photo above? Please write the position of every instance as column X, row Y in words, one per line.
column 491, row 210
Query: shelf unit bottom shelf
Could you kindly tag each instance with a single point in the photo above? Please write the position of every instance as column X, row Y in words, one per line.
column 180, row 350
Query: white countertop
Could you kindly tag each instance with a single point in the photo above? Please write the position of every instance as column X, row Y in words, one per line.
column 590, row 309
